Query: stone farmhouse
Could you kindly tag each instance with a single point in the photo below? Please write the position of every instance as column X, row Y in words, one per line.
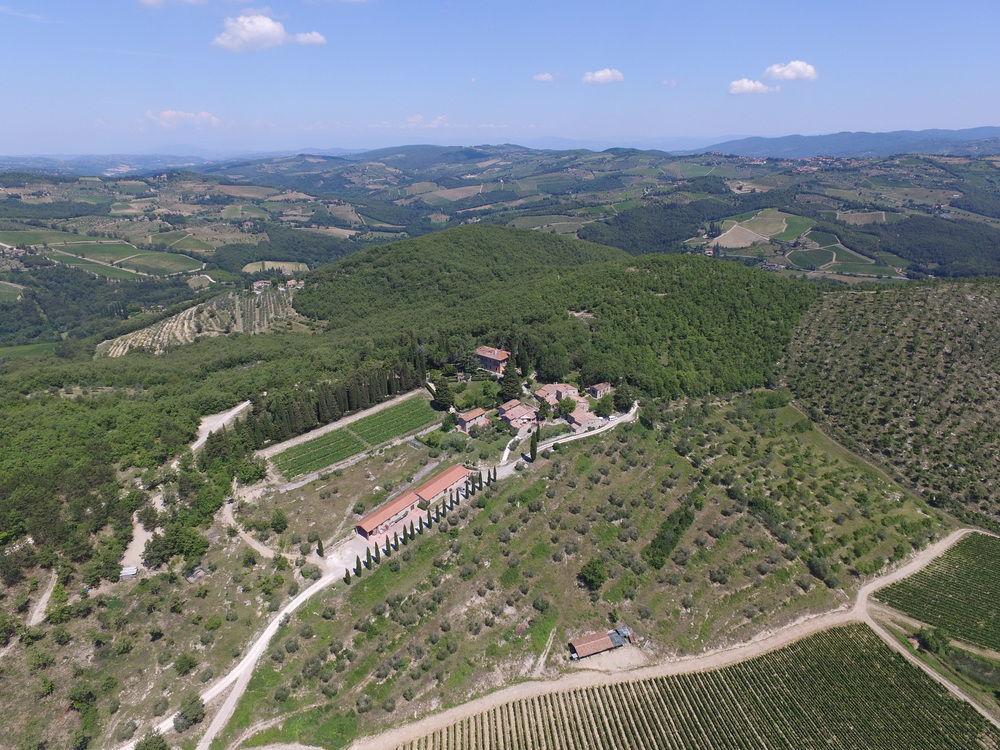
column 492, row 359
column 517, row 414
column 466, row 420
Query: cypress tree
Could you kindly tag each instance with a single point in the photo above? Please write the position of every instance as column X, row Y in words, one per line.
column 534, row 444
column 357, row 568
column 378, row 554
column 368, row 556
column 395, row 540
column 347, row 575
column 319, row 548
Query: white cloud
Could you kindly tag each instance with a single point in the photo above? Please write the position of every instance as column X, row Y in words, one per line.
column 256, row 31
column 670, row 83
column 6, row 10
column 794, row 70
column 604, row 75
column 543, row 77
column 747, row 86
column 169, row 119
column 419, row 121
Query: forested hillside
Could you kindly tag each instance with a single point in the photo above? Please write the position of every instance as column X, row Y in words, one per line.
column 667, row 325
column 911, row 376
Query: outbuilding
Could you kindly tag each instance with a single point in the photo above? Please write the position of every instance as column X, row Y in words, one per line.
column 590, row 644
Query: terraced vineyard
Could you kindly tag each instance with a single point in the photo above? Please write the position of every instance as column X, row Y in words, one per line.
column 959, row 592
column 233, row 312
column 840, row 690
column 337, row 445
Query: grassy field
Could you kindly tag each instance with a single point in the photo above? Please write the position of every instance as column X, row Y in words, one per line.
column 9, row 292
column 27, row 350
column 795, row 226
column 194, row 244
column 823, row 238
column 811, row 258
column 107, row 253
column 365, row 433
column 110, row 272
column 36, row 236
column 959, row 592
column 162, row 264
column 862, row 268
column 841, row 690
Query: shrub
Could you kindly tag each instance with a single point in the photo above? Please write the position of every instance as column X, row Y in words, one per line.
column 191, row 712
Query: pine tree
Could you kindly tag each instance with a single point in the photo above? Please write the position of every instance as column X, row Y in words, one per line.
column 510, row 384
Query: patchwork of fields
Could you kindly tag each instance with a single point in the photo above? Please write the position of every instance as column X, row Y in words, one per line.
column 752, row 228
column 841, row 689
column 959, row 592
column 338, row 445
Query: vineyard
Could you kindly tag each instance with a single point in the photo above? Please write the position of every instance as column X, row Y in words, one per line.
column 232, row 312
column 841, row 690
column 373, row 430
column 959, row 592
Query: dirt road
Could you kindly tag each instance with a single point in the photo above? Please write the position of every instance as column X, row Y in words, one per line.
column 38, row 611
column 761, row 644
column 215, row 422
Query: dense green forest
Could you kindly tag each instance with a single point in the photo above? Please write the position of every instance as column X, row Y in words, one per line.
column 61, row 300
column 667, row 325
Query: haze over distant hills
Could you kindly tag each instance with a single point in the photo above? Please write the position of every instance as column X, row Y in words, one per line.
column 980, row 141
column 968, row 142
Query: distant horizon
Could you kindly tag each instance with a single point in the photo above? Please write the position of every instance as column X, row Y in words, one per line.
column 556, row 143
column 238, row 77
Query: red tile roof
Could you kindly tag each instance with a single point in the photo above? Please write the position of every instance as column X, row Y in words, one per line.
column 427, row 491
column 589, row 644
column 440, row 483
column 468, row 416
column 491, row 352
column 382, row 513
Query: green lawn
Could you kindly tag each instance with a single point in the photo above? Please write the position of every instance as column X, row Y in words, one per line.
column 162, row 264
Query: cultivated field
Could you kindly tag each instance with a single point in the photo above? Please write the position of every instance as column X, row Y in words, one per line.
column 959, row 592
column 373, row 430
column 98, row 269
column 110, row 252
column 841, row 690
column 9, row 292
column 18, row 237
column 162, row 264
column 753, row 228
column 228, row 313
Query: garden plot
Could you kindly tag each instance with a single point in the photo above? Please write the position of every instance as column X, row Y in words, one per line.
column 368, row 432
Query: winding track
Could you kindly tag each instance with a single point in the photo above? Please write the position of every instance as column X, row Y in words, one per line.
column 859, row 611
column 716, row 659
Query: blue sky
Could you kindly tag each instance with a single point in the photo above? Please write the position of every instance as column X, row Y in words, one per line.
column 138, row 75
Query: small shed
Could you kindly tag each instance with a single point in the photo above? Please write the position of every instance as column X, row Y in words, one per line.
column 589, row 644
column 128, row 573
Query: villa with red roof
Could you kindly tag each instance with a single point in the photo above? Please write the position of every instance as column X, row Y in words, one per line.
column 407, row 505
column 492, row 359
column 466, row 420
